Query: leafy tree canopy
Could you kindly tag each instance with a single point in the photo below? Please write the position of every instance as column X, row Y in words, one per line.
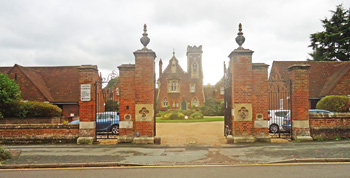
column 212, row 107
column 333, row 44
column 9, row 90
column 112, row 82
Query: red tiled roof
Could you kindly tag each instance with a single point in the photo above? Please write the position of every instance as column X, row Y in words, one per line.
column 57, row 84
column 324, row 75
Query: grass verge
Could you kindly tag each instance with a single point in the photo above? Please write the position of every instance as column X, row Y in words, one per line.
column 205, row 119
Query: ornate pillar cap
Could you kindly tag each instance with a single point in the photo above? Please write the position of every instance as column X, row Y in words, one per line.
column 145, row 39
column 240, row 38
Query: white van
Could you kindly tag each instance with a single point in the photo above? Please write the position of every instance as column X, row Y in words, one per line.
column 276, row 119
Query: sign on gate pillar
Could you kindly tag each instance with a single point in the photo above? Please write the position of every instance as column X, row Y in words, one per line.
column 87, row 105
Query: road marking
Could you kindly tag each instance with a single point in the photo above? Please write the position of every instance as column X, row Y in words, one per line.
column 178, row 166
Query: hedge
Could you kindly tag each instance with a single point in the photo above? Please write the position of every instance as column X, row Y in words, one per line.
column 197, row 115
column 30, row 109
column 334, row 103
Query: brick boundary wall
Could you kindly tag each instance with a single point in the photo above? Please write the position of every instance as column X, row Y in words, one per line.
column 328, row 127
column 38, row 133
column 34, row 120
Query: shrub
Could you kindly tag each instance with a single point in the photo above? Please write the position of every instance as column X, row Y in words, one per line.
column 31, row 109
column 161, row 113
column 211, row 107
column 334, row 103
column 173, row 115
column 187, row 112
column 39, row 109
column 197, row 115
column 165, row 117
column 1, row 116
column 4, row 154
column 180, row 116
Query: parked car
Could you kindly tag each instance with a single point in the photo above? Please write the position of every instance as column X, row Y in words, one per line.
column 105, row 122
column 286, row 125
column 320, row 111
column 276, row 119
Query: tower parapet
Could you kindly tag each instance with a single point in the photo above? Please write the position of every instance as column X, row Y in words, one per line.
column 194, row 49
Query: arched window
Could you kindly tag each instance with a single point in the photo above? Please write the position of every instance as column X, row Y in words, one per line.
column 195, row 102
column 165, row 102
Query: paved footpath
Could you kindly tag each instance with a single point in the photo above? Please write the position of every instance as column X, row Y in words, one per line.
column 67, row 155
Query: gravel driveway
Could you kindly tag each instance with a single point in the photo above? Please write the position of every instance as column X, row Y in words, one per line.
column 204, row 133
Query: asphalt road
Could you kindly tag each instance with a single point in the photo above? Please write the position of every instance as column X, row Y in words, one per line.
column 282, row 170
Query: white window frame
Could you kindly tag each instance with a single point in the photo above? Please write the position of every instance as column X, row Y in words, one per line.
column 195, row 102
column 222, row 90
column 165, row 102
column 192, row 88
column 173, row 86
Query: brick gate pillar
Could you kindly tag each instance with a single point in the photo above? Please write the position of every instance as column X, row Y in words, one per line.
column 127, row 102
column 249, row 95
column 260, row 100
column 242, row 84
column 87, row 107
column 144, row 88
column 137, row 92
column 299, row 74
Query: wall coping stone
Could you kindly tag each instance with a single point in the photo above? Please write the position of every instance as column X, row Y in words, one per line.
column 39, row 126
column 327, row 116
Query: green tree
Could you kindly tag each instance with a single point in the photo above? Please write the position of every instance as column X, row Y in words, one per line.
column 111, row 83
column 333, row 44
column 9, row 90
column 112, row 105
column 211, row 107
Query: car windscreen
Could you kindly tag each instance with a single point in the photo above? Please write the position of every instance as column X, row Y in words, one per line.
column 281, row 113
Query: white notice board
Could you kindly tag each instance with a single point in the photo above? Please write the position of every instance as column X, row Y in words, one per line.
column 85, row 92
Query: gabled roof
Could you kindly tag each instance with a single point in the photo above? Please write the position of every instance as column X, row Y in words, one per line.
column 57, row 84
column 167, row 71
column 324, row 75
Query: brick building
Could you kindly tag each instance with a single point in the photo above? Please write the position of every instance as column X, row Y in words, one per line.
column 57, row 85
column 216, row 91
column 326, row 78
column 178, row 89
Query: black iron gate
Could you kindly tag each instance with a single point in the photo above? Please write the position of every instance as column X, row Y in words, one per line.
column 228, row 101
column 280, row 109
column 107, row 107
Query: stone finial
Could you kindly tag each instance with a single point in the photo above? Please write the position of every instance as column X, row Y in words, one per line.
column 240, row 38
column 145, row 40
column 173, row 51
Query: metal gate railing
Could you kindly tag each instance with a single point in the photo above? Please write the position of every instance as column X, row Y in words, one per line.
column 107, row 107
column 280, row 113
column 228, row 101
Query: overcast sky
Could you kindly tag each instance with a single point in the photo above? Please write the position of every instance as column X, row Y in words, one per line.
column 107, row 32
